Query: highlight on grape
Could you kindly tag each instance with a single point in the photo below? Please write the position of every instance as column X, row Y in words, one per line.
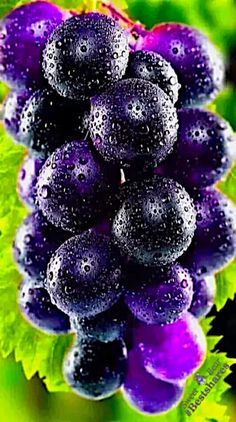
column 126, row 227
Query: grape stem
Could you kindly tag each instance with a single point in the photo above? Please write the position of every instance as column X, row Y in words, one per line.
column 135, row 28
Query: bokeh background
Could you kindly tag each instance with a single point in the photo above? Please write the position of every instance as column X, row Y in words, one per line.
column 28, row 401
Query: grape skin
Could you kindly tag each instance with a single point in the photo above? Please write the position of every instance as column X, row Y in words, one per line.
column 155, row 222
column 12, row 110
column 197, row 63
column 158, row 296
column 84, row 276
column 23, row 35
column 27, row 179
column 133, row 109
column 35, row 305
column 85, row 55
column 203, row 296
column 95, row 370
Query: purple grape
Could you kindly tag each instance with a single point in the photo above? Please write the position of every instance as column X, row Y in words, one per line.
column 174, row 351
column 75, row 188
column 12, row 110
column 197, row 63
column 95, row 370
column 35, row 241
column 23, row 35
column 152, row 67
column 84, row 275
column 214, row 242
column 36, row 306
column 156, row 221
column 134, row 122
column 146, row 393
column 159, row 296
column 27, row 179
column 85, row 55
column 203, row 296
column 106, row 326
column 48, row 121
column 206, row 145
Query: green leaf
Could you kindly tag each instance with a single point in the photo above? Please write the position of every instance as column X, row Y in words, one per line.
column 225, row 281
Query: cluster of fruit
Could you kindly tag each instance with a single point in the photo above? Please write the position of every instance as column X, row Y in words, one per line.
column 125, row 231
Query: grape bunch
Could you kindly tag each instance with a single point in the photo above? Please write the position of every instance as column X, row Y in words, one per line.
column 126, row 227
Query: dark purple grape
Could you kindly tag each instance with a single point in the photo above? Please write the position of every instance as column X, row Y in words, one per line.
column 203, row 296
column 95, row 370
column 146, row 393
column 158, row 296
column 48, row 121
column 156, row 221
column 174, row 351
column 85, row 55
column 206, row 145
column 27, row 179
column 23, row 35
column 198, row 64
column 84, row 275
column 134, row 122
column 12, row 110
column 214, row 242
column 35, row 241
column 36, row 306
column 152, row 67
column 106, row 326
column 75, row 188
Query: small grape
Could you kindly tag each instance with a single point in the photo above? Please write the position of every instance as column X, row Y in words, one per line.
column 146, row 393
column 48, row 121
column 214, row 242
column 206, row 145
column 106, row 326
column 27, row 179
column 36, row 306
column 84, row 275
column 12, row 110
column 152, row 67
column 76, row 189
column 197, row 63
column 95, row 370
column 203, row 296
column 35, row 241
column 85, row 55
column 134, row 122
column 160, row 295
column 174, row 351
column 23, row 35
column 156, row 221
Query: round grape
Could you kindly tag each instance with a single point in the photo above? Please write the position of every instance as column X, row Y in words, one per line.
column 174, row 351
column 27, row 179
column 36, row 306
column 159, row 296
column 75, row 188
column 152, row 67
column 134, row 122
column 197, row 63
column 214, row 242
column 85, row 55
column 35, row 241
column 156, row 221
column 23, row 35
column 206, row 145
column 12, row 110
column 203, row 296
column 106, row 326
column 48, row 121
column 95, row 370
column 146, row 393
column 84, row 275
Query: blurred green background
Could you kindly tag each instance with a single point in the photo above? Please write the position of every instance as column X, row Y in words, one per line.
column 28, row 401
